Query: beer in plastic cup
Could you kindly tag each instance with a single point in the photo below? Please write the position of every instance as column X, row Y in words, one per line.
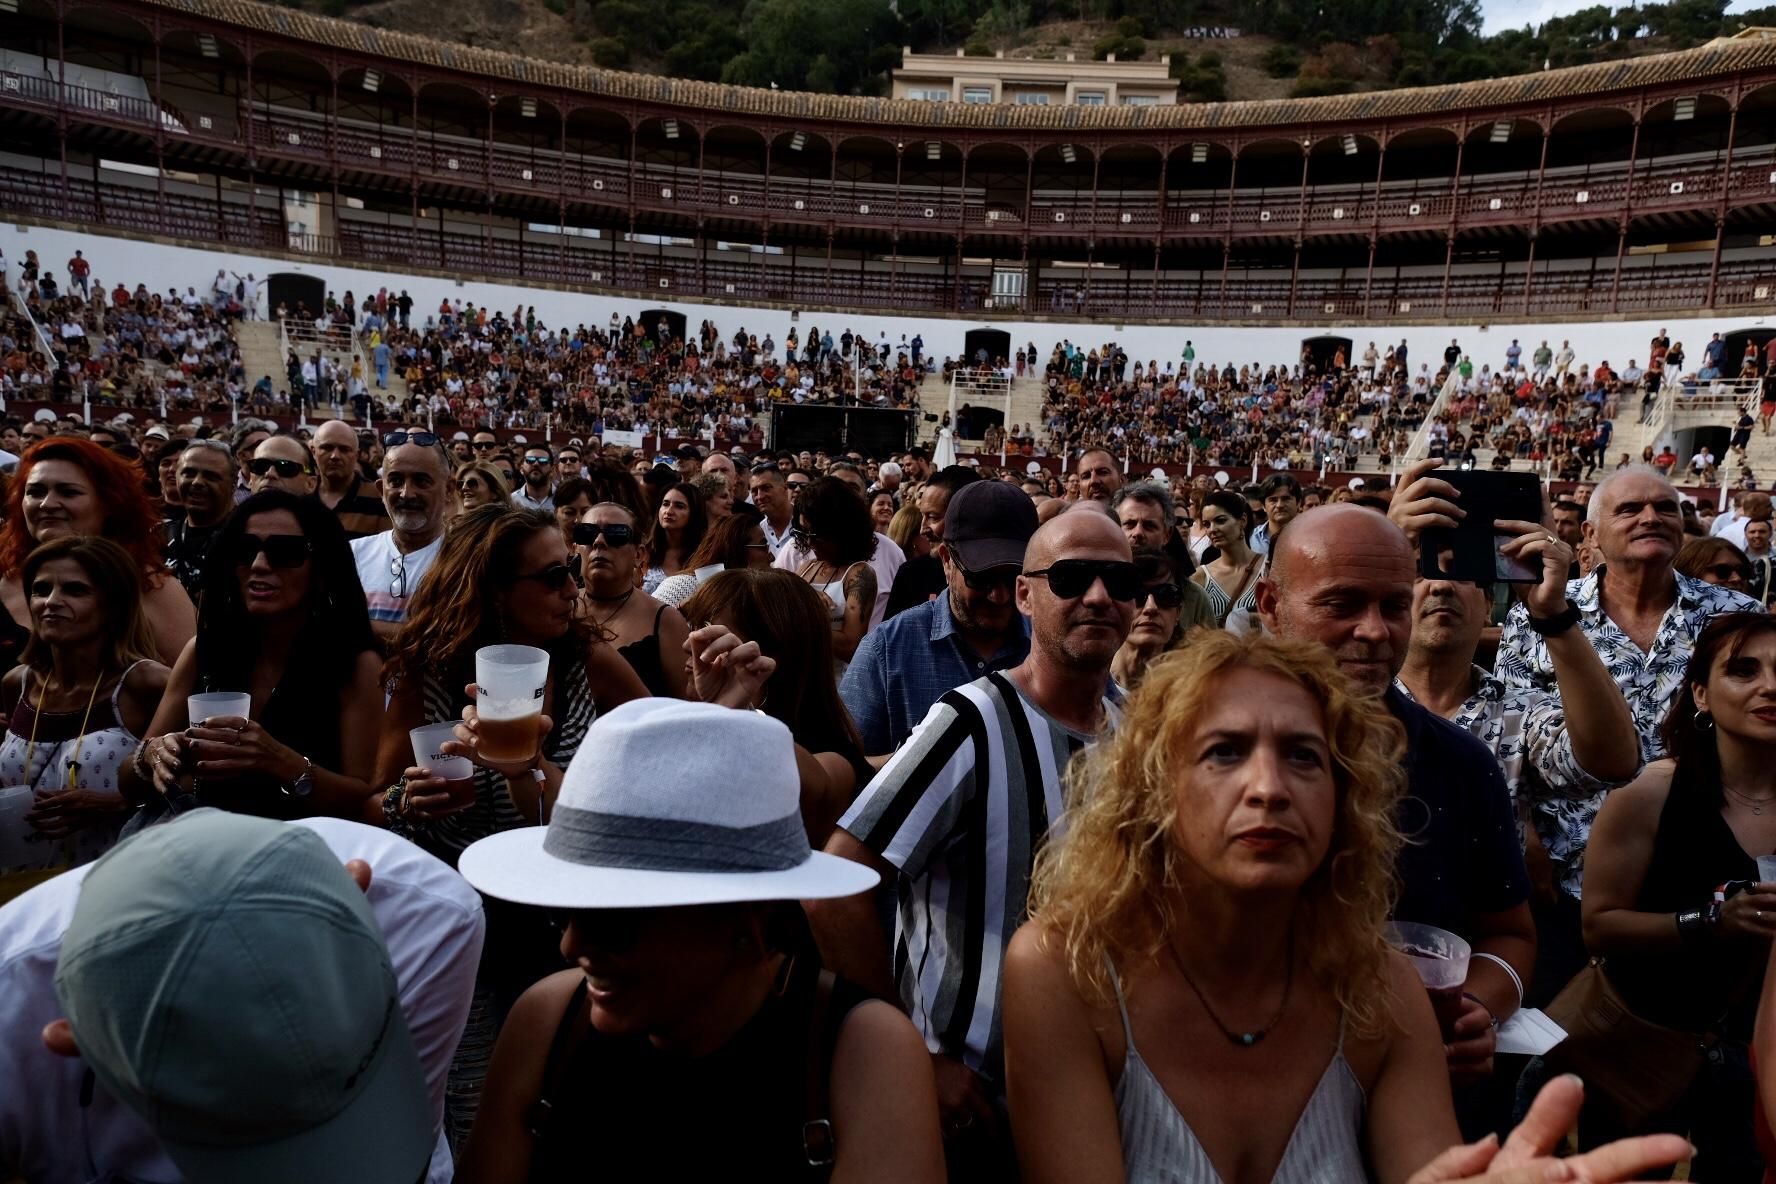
column 458, row 772
column 217, row 704
column 509, row 682
column 1767, row 869
column 1441, row 959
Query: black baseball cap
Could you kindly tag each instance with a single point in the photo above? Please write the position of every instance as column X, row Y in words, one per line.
column 688, row 452
column 989, row 524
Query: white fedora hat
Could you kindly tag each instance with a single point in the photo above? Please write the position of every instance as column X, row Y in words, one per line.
column 669, row 803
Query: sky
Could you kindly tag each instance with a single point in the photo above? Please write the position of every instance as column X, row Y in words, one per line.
column 1514, row 14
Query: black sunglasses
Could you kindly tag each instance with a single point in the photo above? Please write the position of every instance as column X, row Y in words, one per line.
column 616, row 534
column 796, row 486
column 262, row 465
column 280, row 550
column 536, row 460
column 555, row 577
column 1166, row 595
column 423, row 439
column 1072, row 578
column 484, row 445
column 1002, row 576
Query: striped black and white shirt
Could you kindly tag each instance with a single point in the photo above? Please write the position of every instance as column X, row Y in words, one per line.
column 961, row 810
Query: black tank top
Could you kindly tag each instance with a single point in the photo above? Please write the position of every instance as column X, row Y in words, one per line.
column 617, row 1108
column 643, row 656
column 1694, row 850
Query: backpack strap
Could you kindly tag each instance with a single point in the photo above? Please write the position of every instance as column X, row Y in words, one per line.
column 818, row 1145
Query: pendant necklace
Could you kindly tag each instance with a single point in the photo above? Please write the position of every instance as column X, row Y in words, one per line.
column 1242, row 1039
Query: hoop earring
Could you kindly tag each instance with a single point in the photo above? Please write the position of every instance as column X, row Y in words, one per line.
column 1703, row 722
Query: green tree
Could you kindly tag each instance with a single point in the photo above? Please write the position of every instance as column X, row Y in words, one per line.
column 835, row 46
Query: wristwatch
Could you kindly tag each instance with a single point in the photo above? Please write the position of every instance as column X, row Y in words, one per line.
column 304, row 783
column 1557, row 624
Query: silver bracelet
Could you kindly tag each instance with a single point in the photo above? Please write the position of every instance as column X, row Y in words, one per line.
column 1516, row 979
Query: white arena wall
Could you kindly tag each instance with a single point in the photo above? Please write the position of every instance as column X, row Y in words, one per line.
column 162, row 266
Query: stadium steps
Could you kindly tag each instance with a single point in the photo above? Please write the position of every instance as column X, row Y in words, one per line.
column 258, row 341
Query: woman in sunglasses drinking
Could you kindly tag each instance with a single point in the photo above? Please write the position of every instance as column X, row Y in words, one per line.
column 503, row 576
column 647, row 632
column 283, row 624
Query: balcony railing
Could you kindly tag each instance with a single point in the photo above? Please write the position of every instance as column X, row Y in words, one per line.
column 436, row 162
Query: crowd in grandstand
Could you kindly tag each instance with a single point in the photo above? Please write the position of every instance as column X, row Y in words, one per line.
column 573, row 809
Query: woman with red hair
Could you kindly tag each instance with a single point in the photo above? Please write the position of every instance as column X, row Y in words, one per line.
column 68, row 486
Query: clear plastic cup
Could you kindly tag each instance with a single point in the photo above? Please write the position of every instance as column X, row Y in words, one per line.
column 1767, row 869
column 509, row 682
column 216, row 704
column 1441, row 959
column 458, row 772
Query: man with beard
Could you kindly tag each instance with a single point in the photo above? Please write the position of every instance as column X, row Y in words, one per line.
column 905, row 666
column 415, row 484
column 957, row 816
column 537, row 492
column 1099, row 475
column 1343, row 577
column 921, row 578
column 356, row 502
column 206, row 491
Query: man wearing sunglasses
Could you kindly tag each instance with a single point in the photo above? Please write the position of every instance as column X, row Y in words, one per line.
column 970, row 628
column 282, row 462
column 539, row 472
column 415, row 482
column 974, row 789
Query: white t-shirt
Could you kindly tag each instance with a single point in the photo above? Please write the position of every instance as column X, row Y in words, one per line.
column 429, row 917
column 886, row 561
column 375, row 556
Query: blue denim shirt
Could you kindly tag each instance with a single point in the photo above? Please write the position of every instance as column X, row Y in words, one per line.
column 907, row 663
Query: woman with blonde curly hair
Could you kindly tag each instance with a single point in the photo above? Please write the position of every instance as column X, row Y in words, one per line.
column 1204, row 992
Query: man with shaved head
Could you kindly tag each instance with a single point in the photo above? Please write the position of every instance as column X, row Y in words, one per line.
column 1343, row 577
column 343, row 489
column 961, row 847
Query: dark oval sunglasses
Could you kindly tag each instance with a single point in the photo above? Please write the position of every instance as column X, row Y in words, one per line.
column 616, row 534
column 282, row 551
column 556, row 576
column 423, row 439
column 262, row 465
column 1072, row 578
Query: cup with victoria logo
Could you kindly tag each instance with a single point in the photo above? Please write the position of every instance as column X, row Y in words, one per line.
column 509, row 682
column 458, row 772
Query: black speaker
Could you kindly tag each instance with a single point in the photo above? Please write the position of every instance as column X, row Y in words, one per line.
column 873, row 431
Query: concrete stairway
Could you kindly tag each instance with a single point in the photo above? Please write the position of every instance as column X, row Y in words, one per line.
column 258, row 341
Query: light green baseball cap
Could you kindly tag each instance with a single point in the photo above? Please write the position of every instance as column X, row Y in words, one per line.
column 225, row 979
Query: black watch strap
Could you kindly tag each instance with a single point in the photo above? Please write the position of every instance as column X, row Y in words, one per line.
column 1558, row 623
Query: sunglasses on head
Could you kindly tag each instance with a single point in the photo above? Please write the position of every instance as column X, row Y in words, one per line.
column 423, row 439
column 280, row 550
column 616, row 534
column 1072, row 578
column 264, row 465
column 556, row 576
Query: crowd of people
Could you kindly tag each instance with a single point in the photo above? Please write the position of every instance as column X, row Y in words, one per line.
column 868, row 819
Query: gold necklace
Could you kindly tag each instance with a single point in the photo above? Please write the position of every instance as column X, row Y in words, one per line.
column 1756, row 805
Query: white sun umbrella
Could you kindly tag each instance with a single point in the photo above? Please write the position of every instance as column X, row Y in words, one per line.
column 944, row 455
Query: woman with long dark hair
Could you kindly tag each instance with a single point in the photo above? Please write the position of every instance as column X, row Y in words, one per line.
column 737, row 541
column 1674, row 904
column 1231, row 578
column 65, row 486
column 502, row 576
column 283, row 620
column 832, row 527
column 787, row 619
column 678, row 529
column 75, row 708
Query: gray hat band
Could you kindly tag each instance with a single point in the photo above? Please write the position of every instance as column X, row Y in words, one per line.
column 598, row 839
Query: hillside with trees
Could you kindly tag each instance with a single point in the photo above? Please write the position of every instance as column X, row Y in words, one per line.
column 1286, row 47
